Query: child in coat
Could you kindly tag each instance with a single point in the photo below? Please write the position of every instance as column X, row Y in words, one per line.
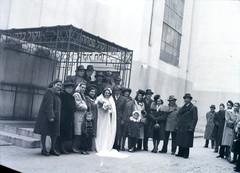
column 134, row 130
column 87, row 132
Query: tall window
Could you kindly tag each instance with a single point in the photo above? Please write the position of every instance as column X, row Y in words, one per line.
column 172, row 31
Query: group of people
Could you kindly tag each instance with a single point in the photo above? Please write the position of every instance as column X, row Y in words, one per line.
column 99, row 115
column 223, row 130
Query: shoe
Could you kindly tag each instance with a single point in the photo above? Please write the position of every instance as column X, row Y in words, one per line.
column 123, row 149
column 236, row 170
column 45, row 152
column 205, row 146
column 54, row 152
column 145, row 149
column 185, row 157
column 215, row 151
column 219, row 156
column 83, row 152
column 75, row 150
column 131, row 150
column 162, row 151
column 86, row 152
column 172, row 153
column 233, row 161
column 178, row 155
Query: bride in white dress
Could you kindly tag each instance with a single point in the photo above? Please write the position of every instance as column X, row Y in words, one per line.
column 106, row 125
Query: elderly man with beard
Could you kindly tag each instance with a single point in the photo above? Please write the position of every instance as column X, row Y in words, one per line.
column 186, row 123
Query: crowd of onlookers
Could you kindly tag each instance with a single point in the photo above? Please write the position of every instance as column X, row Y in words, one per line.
column 223, row 130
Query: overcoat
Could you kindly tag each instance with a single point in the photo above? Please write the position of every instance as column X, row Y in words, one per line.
column 186, row 123
column 219, row 121
column 81, row 108
column 147, row 107
column 100, row 87
column 49, row 108
column 129, row 111
column 121, row 114
column 209, row 126
column 134, row 128
column 157, row 117
column 171, row 122
column 139, row 107
column 228, row 134
column 93, row 107
column 67, row 116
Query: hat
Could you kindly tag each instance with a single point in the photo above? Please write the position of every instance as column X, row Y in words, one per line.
column 90, row 68
column 81, row 67
column 213, row 106
column 108, row 74
column 149, row 91
column 117, row 87
column 171, row 97
column 141, row 92
column 68, row 82
column 117, row 78
column 126, row 89
column 90, row 86
column 187, row 95
column 99, row 74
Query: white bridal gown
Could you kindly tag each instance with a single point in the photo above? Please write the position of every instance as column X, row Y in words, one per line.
column 106, row 130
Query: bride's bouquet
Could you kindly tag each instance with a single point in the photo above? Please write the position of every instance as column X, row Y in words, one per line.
column 105, row 106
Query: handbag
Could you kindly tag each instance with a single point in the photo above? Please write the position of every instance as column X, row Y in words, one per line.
column 236, row 146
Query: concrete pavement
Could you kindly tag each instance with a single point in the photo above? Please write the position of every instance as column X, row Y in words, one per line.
column 201, row 160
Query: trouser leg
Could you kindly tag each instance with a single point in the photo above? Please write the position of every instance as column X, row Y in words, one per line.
column 139, row 144
column 165, row 143
column 145, row 140
column 173, row 142
column 206, row 143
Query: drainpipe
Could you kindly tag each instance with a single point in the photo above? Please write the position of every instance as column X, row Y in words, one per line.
column 150, row 31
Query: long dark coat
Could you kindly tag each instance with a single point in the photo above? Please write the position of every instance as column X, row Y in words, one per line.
column 160, row 118
column 50, row 108
column 129, row 111
column 209, row 126
column 67, row 116
column 93, row 107
column 147, row 107
column 219, row 121
column 186, row 123
column 121, row 114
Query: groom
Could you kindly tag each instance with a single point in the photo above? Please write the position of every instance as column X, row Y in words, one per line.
column 120, row 102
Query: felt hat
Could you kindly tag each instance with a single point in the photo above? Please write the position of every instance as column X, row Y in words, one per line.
column 90, row 68
column 117, row 78
column 81, row 67
column 141, row 92
column 149, row 91
column 187, row 95
column 126, row 89
column 213, row 106
column 108, row 74
column 68, row 82
column 171, row 97
column 117, row 87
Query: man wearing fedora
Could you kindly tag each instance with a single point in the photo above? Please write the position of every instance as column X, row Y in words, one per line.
column 171, row 123
column 209, row 126
column 88, row 74
column 78, row 77
column 147, row 102
column 120, row 102
column 186, row 123
column 117, row 80
column 99, row 83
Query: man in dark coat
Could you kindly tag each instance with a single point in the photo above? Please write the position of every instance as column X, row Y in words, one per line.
column 147, row 102
column 78, row 77
column 121, row 111
column 186, row 123
column 99, row 83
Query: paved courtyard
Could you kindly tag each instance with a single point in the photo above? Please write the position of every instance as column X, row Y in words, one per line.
column 201, row 160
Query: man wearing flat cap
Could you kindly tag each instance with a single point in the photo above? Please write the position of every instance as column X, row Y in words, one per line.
column 186, row 123
column 171, row 124
column 120, row 102
column 147, row 102
column 99, row 83
column 78, row 77
column 209, row 126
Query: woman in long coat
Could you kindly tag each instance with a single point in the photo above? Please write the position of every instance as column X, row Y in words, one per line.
column 90, row 100
column 81, row 109
column 157, row 124
column 139, row 106
column 67, row 115
column 219, row 121
column 48, row 120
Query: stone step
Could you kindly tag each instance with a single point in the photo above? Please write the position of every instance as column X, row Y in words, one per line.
column 28, row 132
column 19, row 140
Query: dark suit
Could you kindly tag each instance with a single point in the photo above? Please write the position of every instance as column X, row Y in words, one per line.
column 100, row 87
column 121, row 116
column 146, row 126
